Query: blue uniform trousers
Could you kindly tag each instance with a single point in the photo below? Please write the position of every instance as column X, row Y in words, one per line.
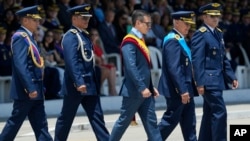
column 146, row 110
column 92, row 107
column 34, row 109
column 179, row 113
column 214, row 119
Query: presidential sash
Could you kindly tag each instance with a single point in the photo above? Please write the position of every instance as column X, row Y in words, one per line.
column 130, row 38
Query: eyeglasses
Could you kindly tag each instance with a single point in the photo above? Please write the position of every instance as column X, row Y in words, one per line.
column 149, row 24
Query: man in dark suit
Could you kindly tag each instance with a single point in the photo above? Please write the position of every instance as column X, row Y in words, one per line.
column 80, row 85
column 107, row 33
column 137, row 89
column 176, row 82
column 211, row 70
column 27, row 81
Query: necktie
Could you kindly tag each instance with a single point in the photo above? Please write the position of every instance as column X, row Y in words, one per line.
column 112, row 30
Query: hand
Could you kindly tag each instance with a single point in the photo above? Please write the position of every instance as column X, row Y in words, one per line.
column 33, row 94
column 146, row 93
column 82, row 89
column 200, row 90
column 235, row 84
column 185, row 98
column 156, row 92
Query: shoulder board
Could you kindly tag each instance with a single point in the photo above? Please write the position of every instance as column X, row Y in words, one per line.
column 203, row 29
column 73, row 31
column 23, row 34
column 177, row 37
column 218, row 29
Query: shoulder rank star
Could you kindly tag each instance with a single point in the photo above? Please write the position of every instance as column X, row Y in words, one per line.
column 203, row 29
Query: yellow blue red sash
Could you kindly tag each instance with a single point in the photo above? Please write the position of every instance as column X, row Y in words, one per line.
column 130, row 38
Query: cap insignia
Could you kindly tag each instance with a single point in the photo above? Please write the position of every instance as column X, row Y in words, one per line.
column 215, row 4
column 87, row 8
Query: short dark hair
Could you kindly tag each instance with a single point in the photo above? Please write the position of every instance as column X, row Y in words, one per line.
column 139, row 15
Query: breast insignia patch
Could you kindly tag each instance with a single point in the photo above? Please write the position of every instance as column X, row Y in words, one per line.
column 73, row 31
column 177, row 37
column 203, row 29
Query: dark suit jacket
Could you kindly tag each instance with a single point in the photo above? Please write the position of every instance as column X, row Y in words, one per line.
column 110, row 42
column 210, row 64
column 136, row 72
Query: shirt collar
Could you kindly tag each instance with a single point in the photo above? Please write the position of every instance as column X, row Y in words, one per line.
column 179, row 33
column 211, row 29
column 137, row 32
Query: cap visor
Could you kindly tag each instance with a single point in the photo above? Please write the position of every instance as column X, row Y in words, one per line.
column 86, row 15
column 190, row 22
column 36, row 17
column 214, row 14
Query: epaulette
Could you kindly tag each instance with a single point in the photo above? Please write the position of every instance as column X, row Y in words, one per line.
column 218, row 29
column 203, row 29
column 23, row 34
column 73, row 31
column 177, row 37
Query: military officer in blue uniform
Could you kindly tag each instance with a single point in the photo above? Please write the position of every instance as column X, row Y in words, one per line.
column 80, row 85
column 27, row 81
column 211, row 70
column 176, row 82
column 137, row 89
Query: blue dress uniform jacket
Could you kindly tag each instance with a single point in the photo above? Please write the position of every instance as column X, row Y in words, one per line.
column 211, row 66
column 211, row 70
column 79, row 70
column 26, row 78
column 137, row 77
column 177, row 79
